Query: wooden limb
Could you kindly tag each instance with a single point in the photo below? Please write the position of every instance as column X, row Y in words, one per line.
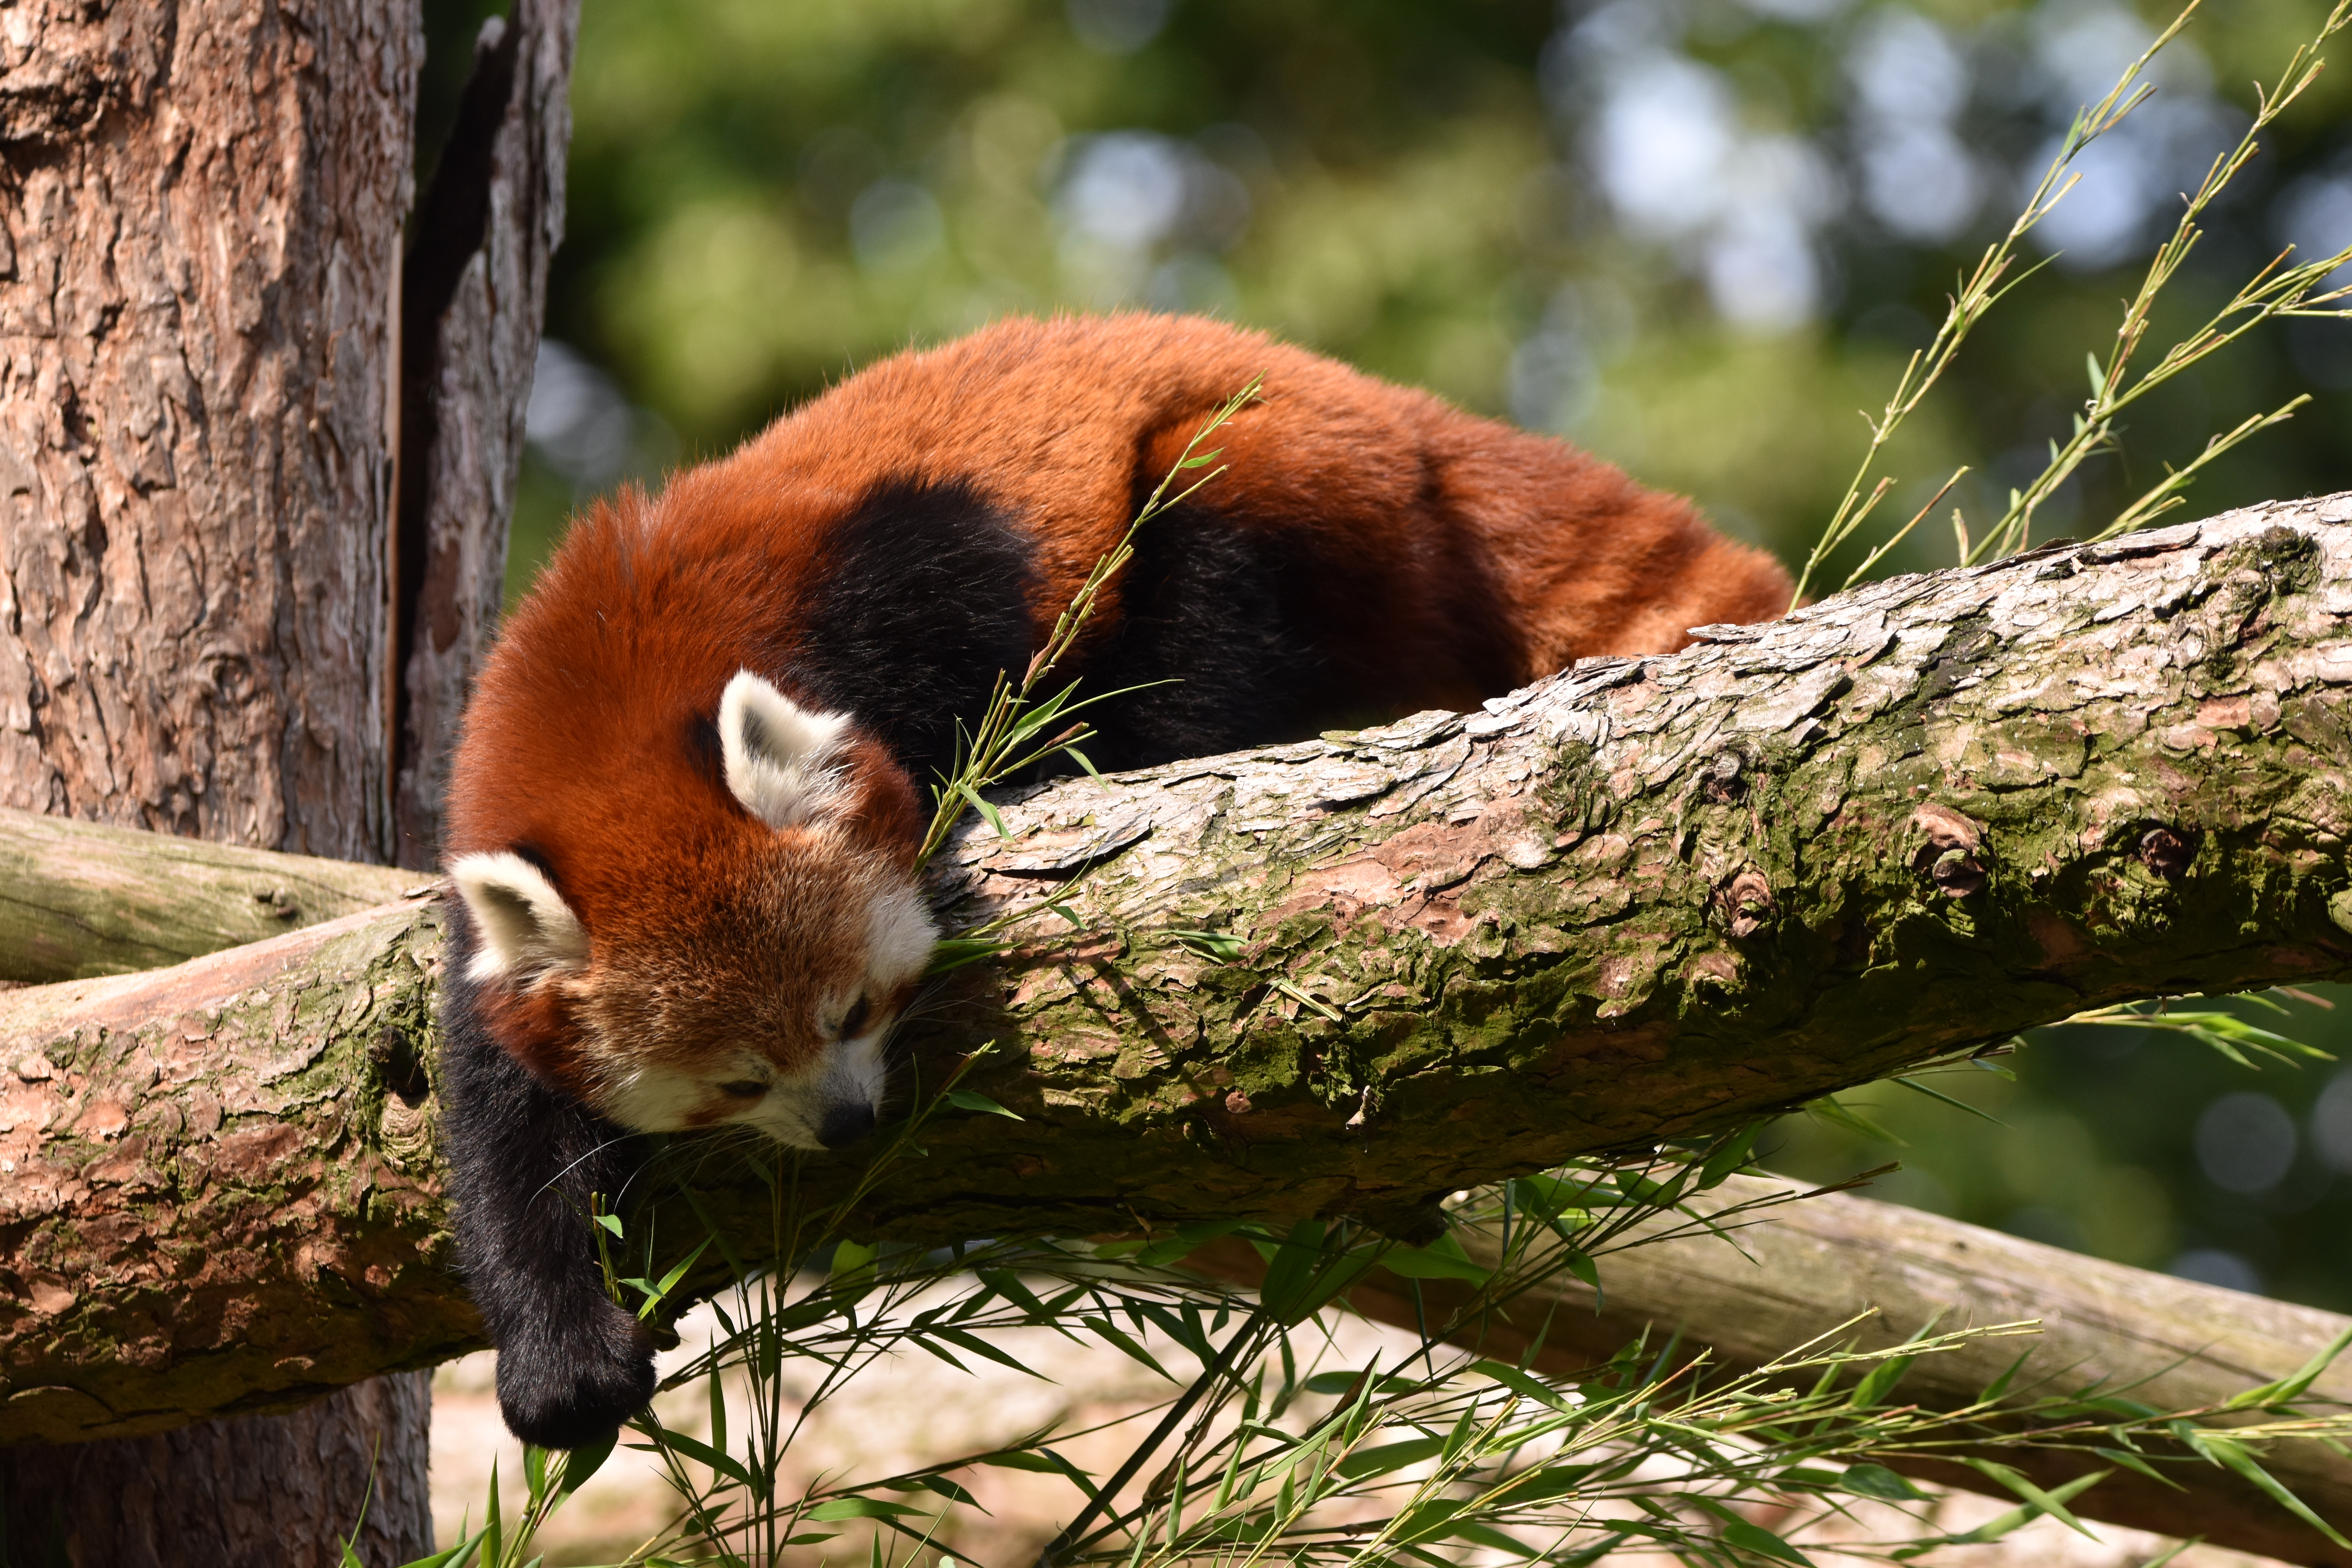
column 79, row 899
column 1801, row 1269
column 217, row 1189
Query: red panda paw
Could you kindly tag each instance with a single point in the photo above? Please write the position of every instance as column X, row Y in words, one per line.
column 567, row 1384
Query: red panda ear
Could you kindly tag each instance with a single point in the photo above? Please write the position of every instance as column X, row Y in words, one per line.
column 527, row 929
column 779, row 755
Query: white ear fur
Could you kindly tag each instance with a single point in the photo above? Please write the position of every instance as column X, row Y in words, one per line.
column 899, row 936
column 776, row 751
column 527, row 928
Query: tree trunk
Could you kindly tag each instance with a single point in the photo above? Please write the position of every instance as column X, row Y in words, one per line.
column 205, row 627
column 276, row 1489
column 1643, row 898
column 471, row 303
column 202, row 205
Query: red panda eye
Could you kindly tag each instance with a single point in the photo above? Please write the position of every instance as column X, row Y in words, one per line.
column 854, row 1019
column 743, row 1088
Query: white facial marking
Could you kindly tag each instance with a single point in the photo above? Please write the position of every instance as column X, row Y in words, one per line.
column 776, row 751
column 527, row 929
column 654, row 1098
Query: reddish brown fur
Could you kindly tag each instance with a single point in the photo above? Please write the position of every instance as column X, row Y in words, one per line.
column 678, row 912
column 1460, row 557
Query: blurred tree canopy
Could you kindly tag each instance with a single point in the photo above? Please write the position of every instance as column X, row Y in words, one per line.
column 1695, row 236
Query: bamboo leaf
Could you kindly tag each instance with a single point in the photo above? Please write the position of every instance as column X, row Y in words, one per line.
column 952, row 953
column 1580, row 1263
column 1520, row 1383
column 2227, row 1453
column 1299, row 994
column 964, row 1339
column 1440, row 1259
column 2000, row 1385
column 1915, row 1086
column 1389, row 1457
column 456, row 1556
column 1215, row 944
column 1118, row 1337
column 657, row 1294
column 2135, row 1463
column 1755, row 1538
column 1830, row 1109
column 1878, row 1481
column 1428, row 1520
column 589, row 1457
column 988, row 813
column 1291, row 1267
column 697, row 1449
column 972, row 1099
column 1341, row 1381
column 2053, row 1503
column 1493, row 1540
column 1728, row 1156
column 858, row 1507
column 2290, row 1388
column 1879, row 1381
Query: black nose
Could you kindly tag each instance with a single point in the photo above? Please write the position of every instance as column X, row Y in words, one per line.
column 845, row 1124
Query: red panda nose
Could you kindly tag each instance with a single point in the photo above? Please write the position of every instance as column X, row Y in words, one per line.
column 845, row 1124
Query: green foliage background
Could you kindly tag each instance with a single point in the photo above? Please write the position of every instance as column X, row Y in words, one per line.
column 764, row 196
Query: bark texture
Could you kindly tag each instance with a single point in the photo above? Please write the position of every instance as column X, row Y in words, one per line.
column 200, row 212
column 219, row 1179
column 473, row 292
column 254, row 1493
column 1654, row 896
column 1801, row 1269
column 1958, row 804
column 206, row 628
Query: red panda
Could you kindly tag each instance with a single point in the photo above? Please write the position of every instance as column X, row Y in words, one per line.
column 684, row 815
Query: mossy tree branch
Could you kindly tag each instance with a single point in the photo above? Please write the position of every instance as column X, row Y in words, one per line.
column 1646, row 898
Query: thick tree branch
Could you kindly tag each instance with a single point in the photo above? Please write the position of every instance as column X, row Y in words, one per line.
column 81, row 898
column 1643, row 898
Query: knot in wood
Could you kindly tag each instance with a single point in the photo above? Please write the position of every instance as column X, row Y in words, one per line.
column 1724, row 781
column 1956, row 872
column 1947, row 858
column 1746, row 902
column 399, row 1065
column 2167, row 853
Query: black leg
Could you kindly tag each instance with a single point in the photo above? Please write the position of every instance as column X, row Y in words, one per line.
column 524, row 1159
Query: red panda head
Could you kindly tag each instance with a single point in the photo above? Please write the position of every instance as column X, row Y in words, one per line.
column 746, row 978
